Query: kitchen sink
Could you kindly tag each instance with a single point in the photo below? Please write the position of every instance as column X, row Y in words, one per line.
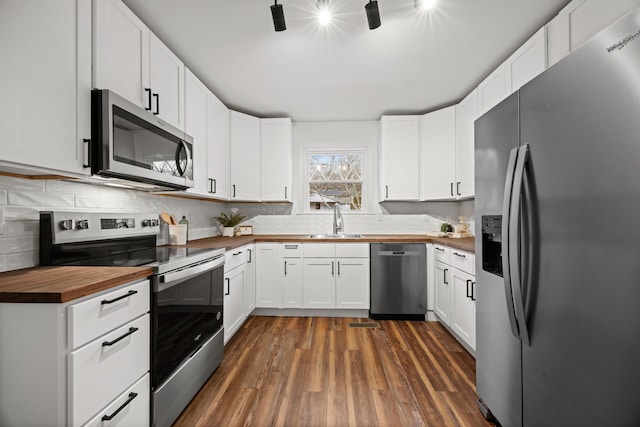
column 335, row 236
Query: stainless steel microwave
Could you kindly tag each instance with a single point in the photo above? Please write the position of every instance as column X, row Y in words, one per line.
column 132, row 144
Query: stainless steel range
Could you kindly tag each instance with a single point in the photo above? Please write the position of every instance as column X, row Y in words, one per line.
column 187, row 298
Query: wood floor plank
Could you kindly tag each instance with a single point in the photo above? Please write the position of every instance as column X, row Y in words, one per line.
column 320, row 372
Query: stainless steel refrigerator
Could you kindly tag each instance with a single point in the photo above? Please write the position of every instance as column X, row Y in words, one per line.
column 558, row 241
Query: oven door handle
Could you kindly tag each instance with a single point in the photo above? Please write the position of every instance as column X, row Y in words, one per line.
column 169, row 279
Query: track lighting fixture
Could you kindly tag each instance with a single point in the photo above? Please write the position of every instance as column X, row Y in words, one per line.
column 278, row 17
column 373, row 14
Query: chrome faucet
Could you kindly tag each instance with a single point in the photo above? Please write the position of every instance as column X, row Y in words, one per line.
column 338, row 225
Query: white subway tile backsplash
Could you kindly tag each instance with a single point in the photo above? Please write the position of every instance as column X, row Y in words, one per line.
column 19, row 184
column 35, row 198
column 3, row 197
column 22, row 260
column 25, row 213
column 13, row 245
column 22, row 229
column 96, row 202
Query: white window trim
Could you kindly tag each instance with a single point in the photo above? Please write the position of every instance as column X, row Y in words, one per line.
column 304, row 173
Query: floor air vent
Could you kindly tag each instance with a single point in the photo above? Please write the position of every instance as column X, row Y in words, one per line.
column 364, row 325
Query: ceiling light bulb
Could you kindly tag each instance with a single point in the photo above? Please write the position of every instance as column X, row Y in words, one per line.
column 425, row 4
column 324, row 16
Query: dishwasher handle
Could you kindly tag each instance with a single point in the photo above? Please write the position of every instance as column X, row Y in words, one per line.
column 397, row 253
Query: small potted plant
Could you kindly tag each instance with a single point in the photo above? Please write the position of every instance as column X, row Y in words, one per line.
column 229, row 222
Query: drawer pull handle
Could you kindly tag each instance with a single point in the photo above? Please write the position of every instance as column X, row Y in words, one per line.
column 110, row 343
column 111, row 301
column 291, row 246
column 124, row 405
column 460, row 255
column 440, row 249
column 237, row 253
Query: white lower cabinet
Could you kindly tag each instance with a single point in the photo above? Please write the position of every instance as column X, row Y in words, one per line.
column 455, row 303
column 250, row 281
column 336, row 275
column 102, row 369
column 131, row 408
column 269, row 275
column 292, row 292
column 352, row 283
column 56, row 372
column 443, row 292
column 463, row 300
column 239, row 289
column 319, row 283
column 312, row 275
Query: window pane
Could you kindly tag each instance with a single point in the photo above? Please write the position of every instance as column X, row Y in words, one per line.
column 335, row 167
column 323, row 196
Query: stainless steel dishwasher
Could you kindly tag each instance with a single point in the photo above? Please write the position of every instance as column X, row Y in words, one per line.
column 398, row 281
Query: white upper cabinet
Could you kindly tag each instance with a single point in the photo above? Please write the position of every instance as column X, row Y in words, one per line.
column 245, row 157
column 399, row 157
column 218, row 136
column 528, row 61
column 466, row 115
column 493, row 89
column 438, row 154
column 121, row 56
column 134, row 63
column 167, row 83
column 276, row 160
column 579, row 21
column 196, row 125
column 207, row 121
column 45, row 83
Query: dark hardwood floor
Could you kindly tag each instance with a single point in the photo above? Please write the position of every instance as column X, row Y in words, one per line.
column 280, row 371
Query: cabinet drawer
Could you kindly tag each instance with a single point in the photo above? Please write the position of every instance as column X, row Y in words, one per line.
column 319, row 250
column 291, row 250
column 464, row 261
column 442, row 253
column 234, row 258
column 91, row 318
column 352, row 250
column 98, row 372
column 135, row 408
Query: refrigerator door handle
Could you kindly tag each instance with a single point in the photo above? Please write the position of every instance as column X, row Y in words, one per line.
column 506, row 205
column 514, row 242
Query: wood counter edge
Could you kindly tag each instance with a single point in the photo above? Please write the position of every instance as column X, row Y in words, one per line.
column 63, row 296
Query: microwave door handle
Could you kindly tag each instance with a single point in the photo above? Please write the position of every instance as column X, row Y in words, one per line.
column 183, row 146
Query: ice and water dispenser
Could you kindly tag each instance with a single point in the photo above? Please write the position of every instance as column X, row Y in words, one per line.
column 492, row 244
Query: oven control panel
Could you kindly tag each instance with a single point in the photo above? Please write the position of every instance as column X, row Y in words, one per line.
column 112, row 223
column 66, row 227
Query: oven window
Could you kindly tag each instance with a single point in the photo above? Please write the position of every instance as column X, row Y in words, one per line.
column 185, row 316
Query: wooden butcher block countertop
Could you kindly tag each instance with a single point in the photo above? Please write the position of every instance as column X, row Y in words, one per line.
column 229, row 243
column 63, row 284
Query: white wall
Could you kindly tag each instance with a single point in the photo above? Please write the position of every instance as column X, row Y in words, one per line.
column 21, row 200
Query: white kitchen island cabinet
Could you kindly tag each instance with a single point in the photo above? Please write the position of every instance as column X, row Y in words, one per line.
column 45, row 83
column 70, row 364
column 399, row 158
column 130, row 60
column 245, row 157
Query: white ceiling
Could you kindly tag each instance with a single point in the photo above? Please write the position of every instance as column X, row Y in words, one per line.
column 413, row 63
